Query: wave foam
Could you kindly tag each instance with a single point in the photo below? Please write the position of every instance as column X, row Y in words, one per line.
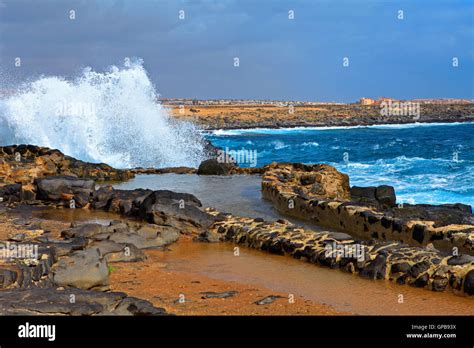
column 110, row 117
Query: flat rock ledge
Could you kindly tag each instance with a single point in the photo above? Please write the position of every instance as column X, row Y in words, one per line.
column 22, row 164
column 70, row 301
column 71, row 275
column 419, row 267
column 318, row 194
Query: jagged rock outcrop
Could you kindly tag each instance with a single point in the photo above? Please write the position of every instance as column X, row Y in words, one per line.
column 319, row 181
column 22, row 164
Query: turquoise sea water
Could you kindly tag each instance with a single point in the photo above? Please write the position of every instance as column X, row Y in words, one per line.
column 426, row 163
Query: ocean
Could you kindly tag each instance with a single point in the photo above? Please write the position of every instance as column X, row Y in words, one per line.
column 90, row 119
column 426, row 163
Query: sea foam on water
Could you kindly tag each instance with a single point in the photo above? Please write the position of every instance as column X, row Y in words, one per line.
column 109, row 117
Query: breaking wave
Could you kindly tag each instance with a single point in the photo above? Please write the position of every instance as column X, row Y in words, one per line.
column 111, row 117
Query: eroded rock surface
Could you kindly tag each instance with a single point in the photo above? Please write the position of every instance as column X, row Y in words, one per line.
column 58, row 301
column 24, row 163
column 395, row 261
column 84, row 269
column 309, row 181
column 371, row 214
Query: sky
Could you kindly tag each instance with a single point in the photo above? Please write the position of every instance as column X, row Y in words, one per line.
column 403, row 55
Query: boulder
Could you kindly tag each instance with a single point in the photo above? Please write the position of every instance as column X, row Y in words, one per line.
column 125, row 202
column 84, row 269
column 136, row 306
column 215, row 167
column 65, row 188
column 10, row 193
column 469, row 283
column 88, row 230
column 181, row 211
column 118, row 235
column 363, row 194
column 385, row 195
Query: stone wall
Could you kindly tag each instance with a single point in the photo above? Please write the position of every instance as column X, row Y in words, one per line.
column 419, row 267
column 445, row 226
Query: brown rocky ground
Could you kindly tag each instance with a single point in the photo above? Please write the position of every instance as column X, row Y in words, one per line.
column 153, row 281
column 241, row 116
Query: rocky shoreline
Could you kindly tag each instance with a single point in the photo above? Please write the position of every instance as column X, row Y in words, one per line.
column 394, row 261
column 321, row 194
column 345, row 115
column 77, row 261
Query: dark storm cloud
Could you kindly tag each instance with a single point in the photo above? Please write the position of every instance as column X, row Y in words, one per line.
column 280, row 58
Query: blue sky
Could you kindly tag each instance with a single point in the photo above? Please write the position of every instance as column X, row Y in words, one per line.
column 299, row 59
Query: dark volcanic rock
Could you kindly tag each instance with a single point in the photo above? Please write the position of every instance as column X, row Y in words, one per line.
column 136, row 306
column 10, row 193
column 88, row 230
column 65, row 188
column 460, row 260
column 125, row 202
column 212, row 294
column 214, row 167
column 7, row 277
column 361, row 193
column 70, row 301
column 148, row 236
column 385, row 195
column 119, row 234
column 418, row 233
column 376, row 269
column 267, row 300
column 84, row 269
column 469, row 283
column 181, row 211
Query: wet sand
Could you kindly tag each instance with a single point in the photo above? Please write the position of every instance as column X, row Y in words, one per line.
column 256, row 274
column 168, row 280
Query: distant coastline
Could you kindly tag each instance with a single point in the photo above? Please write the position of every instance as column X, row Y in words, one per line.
column 235, row 131
column 212, row 117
